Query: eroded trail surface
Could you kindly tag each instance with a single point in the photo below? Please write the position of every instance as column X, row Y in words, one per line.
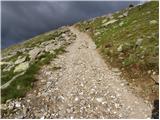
column 82, row 86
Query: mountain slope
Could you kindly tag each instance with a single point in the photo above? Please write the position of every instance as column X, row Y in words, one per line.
column 69, row 79
column 82, row 86
column 129, row 40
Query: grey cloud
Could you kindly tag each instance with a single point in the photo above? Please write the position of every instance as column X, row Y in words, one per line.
column 22, row 20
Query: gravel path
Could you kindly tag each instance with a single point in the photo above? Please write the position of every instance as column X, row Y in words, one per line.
column 83, row 87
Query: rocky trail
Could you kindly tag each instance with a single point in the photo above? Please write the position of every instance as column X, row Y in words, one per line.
column 79, row 84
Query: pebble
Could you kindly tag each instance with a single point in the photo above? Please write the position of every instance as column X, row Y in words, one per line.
column 139, row 41
column 99, row 99
column 18, row 104
column 76, row 99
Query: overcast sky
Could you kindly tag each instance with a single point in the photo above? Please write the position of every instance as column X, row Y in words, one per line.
column 22, row 20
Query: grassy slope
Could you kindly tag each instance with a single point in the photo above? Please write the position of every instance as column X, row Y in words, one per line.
column 134, row 60
column 25, row 82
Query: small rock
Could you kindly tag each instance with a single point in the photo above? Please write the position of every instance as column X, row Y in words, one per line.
column 154, row 73
column 76, row 99
column 28, row 100
column 17, row 104
column 110, row 22
column 116, row 105
column 25, row 111
column 33, row 53
column 97, row 33
column 148, row 12
column 120, row 48
column 11, row 106
column 155, row 78
column 121, row 23
column 115, row 70
column 125, row 14
column 3, row 107
column 104, row 21
column 139, row 41
column 22, row 67
column 153, row 22
column 18, row 87
column 120, row 16
column 149, row 71
column 99, row 99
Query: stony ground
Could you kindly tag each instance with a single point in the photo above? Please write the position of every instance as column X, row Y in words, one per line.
column 79, row 84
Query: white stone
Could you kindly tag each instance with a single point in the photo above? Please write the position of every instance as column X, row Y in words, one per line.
column 153, row 22
column 104, row 21
column 97, row 33
column 22, row 67
column 76, row 99
column 42, row 117
column 120, row 16
column 110, row 22
column 17, row 104
column 121, row 23
column 139, row 41
column 99, row 99
column 125, row 14
column 120, row 48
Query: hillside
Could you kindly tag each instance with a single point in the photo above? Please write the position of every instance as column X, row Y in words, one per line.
column 129, row 40
column 106, row 67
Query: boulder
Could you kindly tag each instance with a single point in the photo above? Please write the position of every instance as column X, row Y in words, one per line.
column 22, row 67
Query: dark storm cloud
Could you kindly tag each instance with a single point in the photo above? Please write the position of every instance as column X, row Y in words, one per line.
column 22, row 20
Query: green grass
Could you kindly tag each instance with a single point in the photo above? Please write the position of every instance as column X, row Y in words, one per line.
column 136, row 25
column 25, row 82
